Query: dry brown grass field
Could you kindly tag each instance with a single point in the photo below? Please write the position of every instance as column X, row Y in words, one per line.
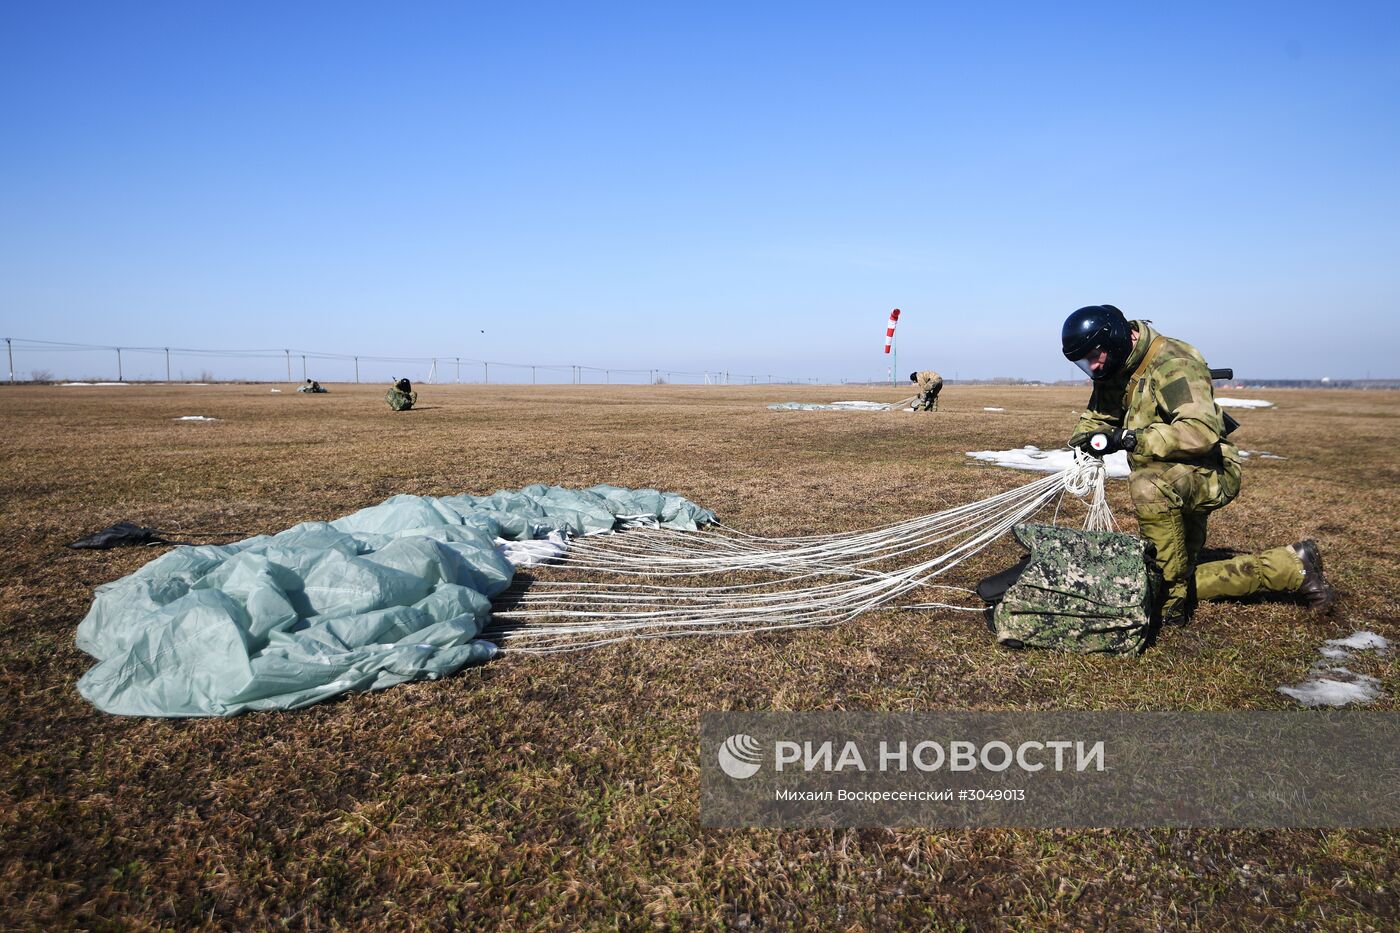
column 562, row 791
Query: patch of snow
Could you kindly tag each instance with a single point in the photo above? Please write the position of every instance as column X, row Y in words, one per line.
column 535, row 552
column 994, row 409
column 276, row 390
column 1345, row 688
column 1048, row 461
column 1339, row 686
column 1362, row 641
column 1242, row 403
column 1261, row 454
column 195, row 418
column 94, row 383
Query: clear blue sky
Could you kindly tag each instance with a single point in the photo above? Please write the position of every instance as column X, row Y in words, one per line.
column 706, row 185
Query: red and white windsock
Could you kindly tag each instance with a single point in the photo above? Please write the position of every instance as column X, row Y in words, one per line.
column 889, row 331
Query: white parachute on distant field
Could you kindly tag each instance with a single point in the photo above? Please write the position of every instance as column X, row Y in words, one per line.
column 841, row 406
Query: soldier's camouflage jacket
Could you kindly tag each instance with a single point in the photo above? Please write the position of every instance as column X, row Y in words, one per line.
column 1171, row 405
column 929, row 380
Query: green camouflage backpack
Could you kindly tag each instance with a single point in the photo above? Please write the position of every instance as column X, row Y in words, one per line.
column 1080, row 591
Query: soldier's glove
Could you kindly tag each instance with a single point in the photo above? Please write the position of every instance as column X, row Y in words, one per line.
column 1106, row 442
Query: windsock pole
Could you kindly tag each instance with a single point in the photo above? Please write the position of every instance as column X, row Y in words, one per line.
column 889, row 342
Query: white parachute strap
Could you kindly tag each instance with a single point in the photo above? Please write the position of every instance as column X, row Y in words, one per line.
column 808, row 581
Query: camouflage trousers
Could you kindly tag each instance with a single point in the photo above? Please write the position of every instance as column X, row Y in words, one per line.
column 1173, row 502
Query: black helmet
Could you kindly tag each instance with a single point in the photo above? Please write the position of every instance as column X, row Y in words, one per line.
column 1094, row 328
column 914, row 376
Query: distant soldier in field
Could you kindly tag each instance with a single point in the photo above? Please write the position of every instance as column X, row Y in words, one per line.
column 401, row 396
column 930, row 384
column 1153, row 398
column 311, row 386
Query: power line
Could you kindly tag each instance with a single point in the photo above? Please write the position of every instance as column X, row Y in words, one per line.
column 577, row 371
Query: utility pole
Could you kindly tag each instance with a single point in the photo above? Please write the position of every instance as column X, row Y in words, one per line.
column 458, row 361
column 607, row 377
column 119, row 364
column 289, row 364
column 532, row 375
column 167, row 364
column 486, row 369
column 10, row 352
column 357, row 370
column 303, row 367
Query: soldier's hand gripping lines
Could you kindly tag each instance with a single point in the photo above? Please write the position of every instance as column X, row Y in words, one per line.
column 1102, row 443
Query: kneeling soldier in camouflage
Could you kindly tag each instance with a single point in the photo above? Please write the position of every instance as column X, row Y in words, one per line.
column 1153, row 398
column 401, row 396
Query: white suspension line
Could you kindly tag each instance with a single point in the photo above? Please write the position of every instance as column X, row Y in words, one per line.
column 571, row 615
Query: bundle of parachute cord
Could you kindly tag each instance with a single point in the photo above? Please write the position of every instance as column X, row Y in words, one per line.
column 798, row 582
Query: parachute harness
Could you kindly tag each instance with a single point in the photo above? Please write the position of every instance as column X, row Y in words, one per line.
column 808, row 581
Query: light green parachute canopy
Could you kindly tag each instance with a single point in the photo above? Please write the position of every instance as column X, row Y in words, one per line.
column 395, row 592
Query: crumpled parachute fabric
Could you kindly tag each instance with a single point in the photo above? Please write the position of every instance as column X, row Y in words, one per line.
column 395, row 592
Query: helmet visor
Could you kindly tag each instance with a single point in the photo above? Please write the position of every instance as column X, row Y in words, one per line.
column 1094, row 363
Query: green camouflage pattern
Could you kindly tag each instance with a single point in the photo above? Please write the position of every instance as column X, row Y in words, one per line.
column 399, row 400
column 930, row 384
column 1171, row 408
column 1173, row 502
column 1183, row 469
column 1083, row 591
column 1277, row 570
